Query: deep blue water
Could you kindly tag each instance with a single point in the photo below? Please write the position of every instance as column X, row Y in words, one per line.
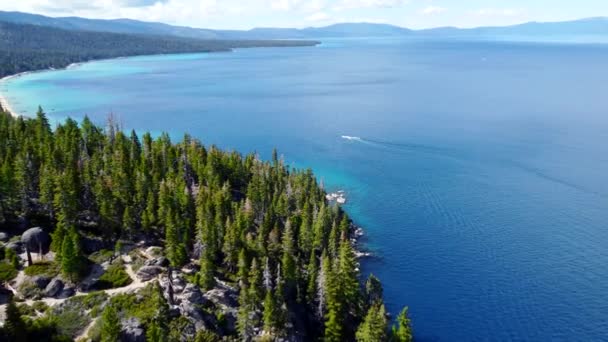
column 480, row 174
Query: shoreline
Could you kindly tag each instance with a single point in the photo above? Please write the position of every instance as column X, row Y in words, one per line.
column 6, row 106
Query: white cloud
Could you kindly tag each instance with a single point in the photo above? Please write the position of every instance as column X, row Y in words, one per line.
column 298, row 5
column 319, row 16
column 498, row 12
column 430, row 10
column 354, row 4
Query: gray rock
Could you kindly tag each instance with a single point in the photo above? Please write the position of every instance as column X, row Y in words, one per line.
column 154, row 251
column 192, row 294
column 5, row 295
column 67, row 292
column 160, row 261
column 36, row 240
column 223, row 297
column 54, row 288
column 146, row 273
column 178, row 279
column 191, row 311
column 41, row 281
column 16, row 246
column 3, row 236
column 132, row 331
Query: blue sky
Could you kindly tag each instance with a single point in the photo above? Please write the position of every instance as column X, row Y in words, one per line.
column 244, row 14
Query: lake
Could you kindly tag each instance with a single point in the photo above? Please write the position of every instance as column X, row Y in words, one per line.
column 478, row 169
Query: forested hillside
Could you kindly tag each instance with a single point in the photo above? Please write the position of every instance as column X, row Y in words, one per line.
column 227, row 224
column 30, row 47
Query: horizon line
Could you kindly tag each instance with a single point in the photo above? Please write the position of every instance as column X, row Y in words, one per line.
column 320, row 26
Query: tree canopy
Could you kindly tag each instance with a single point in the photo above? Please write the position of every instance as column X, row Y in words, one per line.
column 258, row 224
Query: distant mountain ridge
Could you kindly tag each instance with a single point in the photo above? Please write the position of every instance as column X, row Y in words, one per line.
column 588, row 26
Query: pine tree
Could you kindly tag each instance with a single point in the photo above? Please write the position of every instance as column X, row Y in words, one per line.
column 312, row 272
column 332, row 243
column 374, row 326
column 244, row 323
column 13, row 324
column 230, row 246
column 320, row 228
column 323, row 281
column 270, row 312
column 149, row 214
column 128, row 220
column 348, row 277
column 47, row 189
column 333, row 326
column 243, row 267
column 176, row 252
column 288, row 260
column 402, row 330
column 244, row 208
column 157, row 330
column 70, row 254
column 255, row 284
column 57, row 239
column 373, row 290
column 305, row 233
column 154, row 332
column 206, row 279
column 110, row 324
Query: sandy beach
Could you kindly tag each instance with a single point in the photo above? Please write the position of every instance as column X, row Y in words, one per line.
column 3, row 101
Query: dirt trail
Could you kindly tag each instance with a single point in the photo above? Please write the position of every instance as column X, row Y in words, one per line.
column 135, row 285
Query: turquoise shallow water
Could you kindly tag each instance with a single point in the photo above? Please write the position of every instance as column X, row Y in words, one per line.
column 479, row 171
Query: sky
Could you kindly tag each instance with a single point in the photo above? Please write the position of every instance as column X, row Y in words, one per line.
column 246, row 14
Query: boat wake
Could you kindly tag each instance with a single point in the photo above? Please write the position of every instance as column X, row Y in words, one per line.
column 351, row 138
column 405, row 147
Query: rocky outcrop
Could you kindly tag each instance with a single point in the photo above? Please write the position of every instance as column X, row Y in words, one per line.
column 40, row 281
column 54, row 288
column 132, row 331
column 160, row 261
column 225, row 300
column 222, row 297
column 154, row 251
column 192, row 294
column 68, row 291
column 3, row 237
column 146, row 273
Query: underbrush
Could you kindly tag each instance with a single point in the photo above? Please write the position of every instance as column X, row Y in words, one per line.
column 115, row 276
column 7, row 272
column 42, row 268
